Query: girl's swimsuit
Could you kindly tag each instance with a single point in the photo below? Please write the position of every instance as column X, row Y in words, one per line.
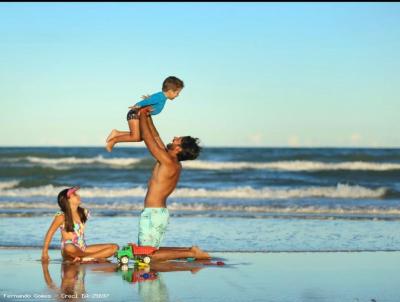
column 78, row 234
column 74, row 276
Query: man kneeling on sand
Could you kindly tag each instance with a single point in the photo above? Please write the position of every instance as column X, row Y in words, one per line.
column 165, row 176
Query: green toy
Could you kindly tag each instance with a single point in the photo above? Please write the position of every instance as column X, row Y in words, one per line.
column 140, row 254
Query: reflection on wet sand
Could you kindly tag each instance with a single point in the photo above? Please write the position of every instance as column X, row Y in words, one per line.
column 151, row 286
column 72, row 287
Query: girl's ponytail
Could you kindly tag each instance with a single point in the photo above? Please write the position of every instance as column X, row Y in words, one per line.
column 62, row 200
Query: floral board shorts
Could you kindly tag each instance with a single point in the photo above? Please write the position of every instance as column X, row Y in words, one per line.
column 152, row 226
column 132, row 115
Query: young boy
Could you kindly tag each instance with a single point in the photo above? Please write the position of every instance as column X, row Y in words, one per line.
column 171, row 88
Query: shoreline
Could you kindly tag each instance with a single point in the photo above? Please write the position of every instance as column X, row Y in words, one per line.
column 27, row 247
column 246, row 276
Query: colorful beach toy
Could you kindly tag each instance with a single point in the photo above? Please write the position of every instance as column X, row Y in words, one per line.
column 140, row 254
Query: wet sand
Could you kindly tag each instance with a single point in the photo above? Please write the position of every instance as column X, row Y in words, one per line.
column 316, row 276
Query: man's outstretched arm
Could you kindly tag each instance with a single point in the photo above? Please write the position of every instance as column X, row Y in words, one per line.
column 155, row 134
column 158, row 152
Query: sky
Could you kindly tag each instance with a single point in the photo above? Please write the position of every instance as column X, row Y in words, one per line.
column 256, row 74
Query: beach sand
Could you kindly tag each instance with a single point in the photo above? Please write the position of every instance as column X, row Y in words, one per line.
column 316, row 276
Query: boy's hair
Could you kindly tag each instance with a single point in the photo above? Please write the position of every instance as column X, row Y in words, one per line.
column 190, row 148
column 172, row 83
column 62, row 200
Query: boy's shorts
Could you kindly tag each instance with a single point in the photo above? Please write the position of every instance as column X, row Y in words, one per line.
column 132, row 115
column 152, row 226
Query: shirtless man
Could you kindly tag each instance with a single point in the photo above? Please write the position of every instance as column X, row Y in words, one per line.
column 155, row 216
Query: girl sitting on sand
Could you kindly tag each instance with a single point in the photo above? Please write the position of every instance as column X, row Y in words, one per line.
column 71, row 221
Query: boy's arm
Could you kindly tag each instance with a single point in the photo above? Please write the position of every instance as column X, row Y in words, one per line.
column 144, row 97
column 155, row 134
column 49, row 235
column 146, row 102
column 158, row 153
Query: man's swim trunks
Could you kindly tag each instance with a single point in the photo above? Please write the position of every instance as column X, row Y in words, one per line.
column 152, row 226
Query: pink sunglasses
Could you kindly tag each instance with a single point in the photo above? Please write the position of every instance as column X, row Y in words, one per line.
column 72, row 191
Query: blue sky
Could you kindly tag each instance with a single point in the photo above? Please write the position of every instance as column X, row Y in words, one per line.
column 256, row 74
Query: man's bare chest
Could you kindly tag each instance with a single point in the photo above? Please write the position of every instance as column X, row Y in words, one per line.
column 161, row 174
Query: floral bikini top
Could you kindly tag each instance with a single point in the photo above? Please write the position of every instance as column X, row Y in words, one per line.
column 78, row 234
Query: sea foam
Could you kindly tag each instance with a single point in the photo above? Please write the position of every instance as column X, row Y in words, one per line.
column 338, row 191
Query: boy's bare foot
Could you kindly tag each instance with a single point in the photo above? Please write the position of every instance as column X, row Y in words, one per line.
column 199, row 254
column 111, row 135
column 109, row 146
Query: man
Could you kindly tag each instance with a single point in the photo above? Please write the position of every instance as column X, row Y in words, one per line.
column 165, row 176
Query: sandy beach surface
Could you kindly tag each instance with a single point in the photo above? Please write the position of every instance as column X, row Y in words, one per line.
column 313, row 276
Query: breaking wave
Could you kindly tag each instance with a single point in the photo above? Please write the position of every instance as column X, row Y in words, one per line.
column 8, row 184
column 296, row 165
column 74, row 161
column 206, row 207
column 339, row 191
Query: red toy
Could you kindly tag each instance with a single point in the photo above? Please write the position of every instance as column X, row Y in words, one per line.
column 139, row 276
column 142, row 250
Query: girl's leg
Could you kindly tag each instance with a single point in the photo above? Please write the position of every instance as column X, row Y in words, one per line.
column 125, row 136
column 71, row 252
column 101, row 250
column 94, row 248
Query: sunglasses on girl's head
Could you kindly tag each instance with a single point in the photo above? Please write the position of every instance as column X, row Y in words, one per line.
column 72, row 191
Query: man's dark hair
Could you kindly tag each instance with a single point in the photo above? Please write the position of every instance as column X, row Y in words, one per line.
column 190, row 148
column 172, row 83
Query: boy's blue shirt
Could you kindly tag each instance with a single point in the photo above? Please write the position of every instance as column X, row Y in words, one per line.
column 156, row 100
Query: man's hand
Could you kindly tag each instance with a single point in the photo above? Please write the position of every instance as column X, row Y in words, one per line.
column 146, row 110
column 145, row 96
column 134, row 107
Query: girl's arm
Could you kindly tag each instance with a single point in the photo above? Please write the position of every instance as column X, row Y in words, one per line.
column 47, row 277
column 58, row 220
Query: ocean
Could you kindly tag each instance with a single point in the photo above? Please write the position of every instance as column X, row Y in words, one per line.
column 229, row 199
